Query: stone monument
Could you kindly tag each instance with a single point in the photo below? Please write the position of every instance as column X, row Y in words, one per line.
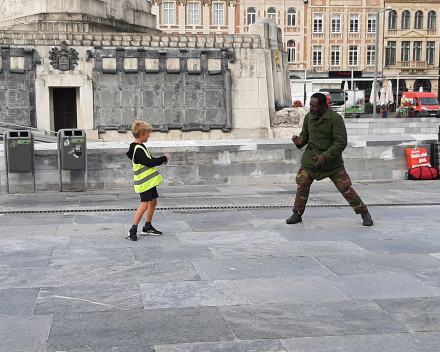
column 100, row 65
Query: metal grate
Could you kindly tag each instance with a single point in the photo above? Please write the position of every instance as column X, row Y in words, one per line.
column 207, row 207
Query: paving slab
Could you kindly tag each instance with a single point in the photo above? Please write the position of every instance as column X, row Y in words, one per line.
column 379, row 263
column 402, row 342
column 34, row 243
column 191, row 294
column 101, row 230
column 131, row 328
column 123, row 274
column 372, row 286
column 18, row 301
column 289, row 290
column 224, row 269
column 109, row 217
column 152, row 251
column 309, row 319
column 332, row 234
column 25, row 258
column 419, row 314
column 75, row 299
column 18, row 334
column 85, row 256
column 23, row 230
column 30, row 277
column 37, row 219
column 398, row 246
column 225, row 346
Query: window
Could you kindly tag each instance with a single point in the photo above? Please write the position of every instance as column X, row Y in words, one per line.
column 168, row 13
column 219, row 14
column 406, row 19
column 392, row 20
column 353, row 55
column 318, row 20
column 291, row 17
column 336, row 23
column 317, row 55
column 371, row 26
column 391, row 54
column 251, row 15
column 336, row 55
column 406, row 51
column 193, row 13
column 430, row 53
column 417, row 51
column 432, row 20
column 371, row 55
column 272, row 13
column 418, row 24
column 354, row 23
column 291, row 51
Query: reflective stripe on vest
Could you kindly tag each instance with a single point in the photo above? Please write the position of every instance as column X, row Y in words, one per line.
column 145, row 177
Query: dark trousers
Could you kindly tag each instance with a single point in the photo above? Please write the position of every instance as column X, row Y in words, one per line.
column 342, row 182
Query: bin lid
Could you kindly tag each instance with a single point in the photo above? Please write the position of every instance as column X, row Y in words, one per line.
column 71, row 133
column 18, row 134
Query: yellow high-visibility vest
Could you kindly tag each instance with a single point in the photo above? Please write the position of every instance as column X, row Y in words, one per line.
column 145, row 177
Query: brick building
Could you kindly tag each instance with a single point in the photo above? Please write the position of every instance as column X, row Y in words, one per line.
column 412, row 45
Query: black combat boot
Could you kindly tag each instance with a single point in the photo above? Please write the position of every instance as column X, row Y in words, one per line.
column 294, row 219
column 366, row 218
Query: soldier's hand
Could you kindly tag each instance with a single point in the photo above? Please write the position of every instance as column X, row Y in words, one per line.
column 168, row 158
column 297, row 140
column 321, row 160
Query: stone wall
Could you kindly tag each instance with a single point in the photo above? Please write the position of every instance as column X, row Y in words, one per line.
column 366, row 126
column 215, row 162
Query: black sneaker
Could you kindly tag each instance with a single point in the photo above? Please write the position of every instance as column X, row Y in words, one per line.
column 150, row 232
column 132, row 235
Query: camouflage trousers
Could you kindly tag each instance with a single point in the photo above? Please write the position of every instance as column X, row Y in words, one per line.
column 342, row 182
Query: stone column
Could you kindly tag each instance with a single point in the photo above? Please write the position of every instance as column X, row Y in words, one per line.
column 155, row 10
column 231, row 16
column 181, row 12
column 206, row 8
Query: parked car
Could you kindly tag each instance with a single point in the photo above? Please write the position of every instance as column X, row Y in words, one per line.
column 425, row 103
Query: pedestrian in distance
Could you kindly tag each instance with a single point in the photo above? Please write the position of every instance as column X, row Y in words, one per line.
column 325, row 135
column 384, row 111
column 146, row 178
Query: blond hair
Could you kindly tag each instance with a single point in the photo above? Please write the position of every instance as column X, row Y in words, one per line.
column 140, row 127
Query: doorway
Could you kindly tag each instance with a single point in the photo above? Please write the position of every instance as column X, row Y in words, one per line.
column 64, row 108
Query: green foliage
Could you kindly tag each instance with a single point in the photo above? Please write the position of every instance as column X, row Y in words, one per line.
column 278, row 106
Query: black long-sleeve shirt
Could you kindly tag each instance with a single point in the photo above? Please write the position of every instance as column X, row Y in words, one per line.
column 141, row 157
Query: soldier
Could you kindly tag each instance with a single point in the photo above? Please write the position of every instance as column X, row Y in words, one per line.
column 325, row 135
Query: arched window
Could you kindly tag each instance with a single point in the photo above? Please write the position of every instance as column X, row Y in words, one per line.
column 272, row 13
column 418, row 24
column 291, row 17
column 291, row 51
column 432, row 20
column 251, row 15
column 392, row 20
column 406, row 19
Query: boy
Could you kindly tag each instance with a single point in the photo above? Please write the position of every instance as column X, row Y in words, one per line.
column 146, row 178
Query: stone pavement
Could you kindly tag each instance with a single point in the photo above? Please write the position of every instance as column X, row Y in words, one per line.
column 222, row 280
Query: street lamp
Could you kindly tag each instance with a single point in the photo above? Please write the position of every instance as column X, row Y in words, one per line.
column 389, row 8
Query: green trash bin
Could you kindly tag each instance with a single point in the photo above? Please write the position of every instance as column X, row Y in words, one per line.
column 19, row 153
column 72, row 151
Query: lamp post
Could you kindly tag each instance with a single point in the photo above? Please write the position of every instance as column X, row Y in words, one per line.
column 389, row 8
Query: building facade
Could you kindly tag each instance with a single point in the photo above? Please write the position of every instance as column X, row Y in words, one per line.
column 196, row 17
column 412, row 45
